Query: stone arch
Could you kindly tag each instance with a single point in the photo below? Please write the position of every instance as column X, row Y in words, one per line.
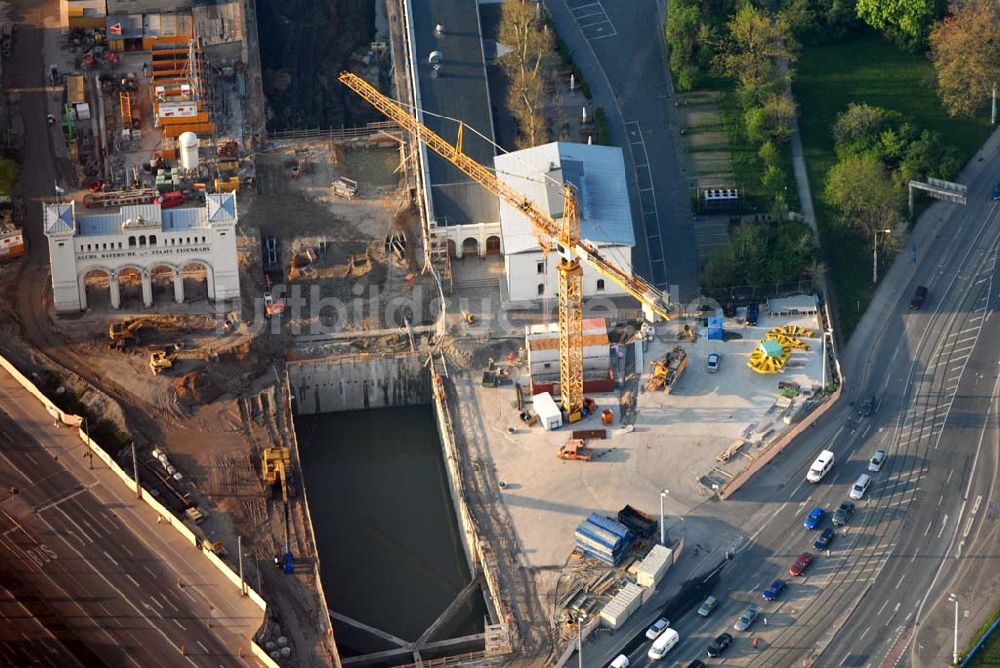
column 130, row 279
column 493, row 244
column 95, row 288
column 199, row 280
column 163, row 281
column 470, row 247
column 451, row 248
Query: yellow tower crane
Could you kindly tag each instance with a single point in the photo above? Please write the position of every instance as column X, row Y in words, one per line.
column 563, row 235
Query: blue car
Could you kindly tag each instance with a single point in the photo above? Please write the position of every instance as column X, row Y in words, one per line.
column 774, row 591
column 815, row 517
column 825, row 539
column 996, row 193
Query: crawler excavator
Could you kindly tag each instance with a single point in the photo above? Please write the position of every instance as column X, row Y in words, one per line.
column 165, row 358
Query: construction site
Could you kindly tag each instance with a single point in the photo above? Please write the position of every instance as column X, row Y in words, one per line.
column 554, row 425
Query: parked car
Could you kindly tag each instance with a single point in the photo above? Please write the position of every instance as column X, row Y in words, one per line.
column 746, row 620
column 825, row 538
column 658, row 627
column 815, row 517
column 774, row 591
column 620, row 661
column 720, row 644
column 861, row 486
column 868, row 406
column 713, row 362
column 800, row 564
column 753, row 314
column 666, row 642
column 843, row 514
column 996, row 193
column 919, row 297
column 875, row 464
column 697, row 663
column 710, row 604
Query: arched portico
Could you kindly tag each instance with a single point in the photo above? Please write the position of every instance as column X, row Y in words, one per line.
column 198, row 280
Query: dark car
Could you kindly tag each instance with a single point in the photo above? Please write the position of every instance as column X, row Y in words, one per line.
column 801, row 564
column 868, row 406
column 720, row 644
column 774, row 591
column 814, row 519
column 843, row 514
column 753, row 314
column 697, row 663
column 996, row 193
column 919, row 297
column 825, row 539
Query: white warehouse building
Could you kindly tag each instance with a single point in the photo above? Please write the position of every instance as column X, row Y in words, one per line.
column 539, row 173
column 146, row 243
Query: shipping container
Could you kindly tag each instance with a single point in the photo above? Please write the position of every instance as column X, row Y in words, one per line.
column 547, row 410
column 642, row 523
column 654, row 566
column 621, row 607
column 613, row 526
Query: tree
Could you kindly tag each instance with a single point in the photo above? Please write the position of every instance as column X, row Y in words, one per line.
column 755, row 39
column 907, row 22
column 859, row 129
column 864, row 193
column 821, row 21
column 530, row 42
column 929, row 156
column 10, row 174
column 685, row 34
column 965, row 49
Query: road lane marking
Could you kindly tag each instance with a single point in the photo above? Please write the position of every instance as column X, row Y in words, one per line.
column 110, row 557
column 133, row 581
column 944, row 523
column 952, row 471
column 154, row 600
column 182, row 627
column 939, row 504
column 915, row 552
column 152, row 609
column 203, row 648
column 929, row 524
column 901, row 578
column 79, row 528
column 879, row 613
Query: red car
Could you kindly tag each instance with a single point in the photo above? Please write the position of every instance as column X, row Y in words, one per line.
column 801, row 564
column 172, row 198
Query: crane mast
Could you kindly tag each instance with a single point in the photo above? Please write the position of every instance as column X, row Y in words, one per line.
column 563, row 235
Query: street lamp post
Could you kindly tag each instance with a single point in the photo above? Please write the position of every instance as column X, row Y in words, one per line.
column 875, row 254
column 579, row 641
column 954, row 652
column 663, row 526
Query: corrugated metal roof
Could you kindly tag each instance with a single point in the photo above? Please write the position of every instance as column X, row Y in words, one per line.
column 99, row 224
column 597, row 173
column 184, row 218
column 150, row 213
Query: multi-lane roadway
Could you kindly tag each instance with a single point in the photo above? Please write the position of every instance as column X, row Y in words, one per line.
column 935, row 374
column 88, row 572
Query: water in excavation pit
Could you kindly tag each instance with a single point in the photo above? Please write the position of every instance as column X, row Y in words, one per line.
column 389, row 545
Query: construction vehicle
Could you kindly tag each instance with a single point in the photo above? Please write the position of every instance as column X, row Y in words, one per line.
column 161, row 360
column 562, row 235
column 124, row 332
column 344, row 188
column 120, row 197
column 272, row 306
column 216, row 548
column 287, row 561
column 667, row 370
column 575, row 448
column 275, row 468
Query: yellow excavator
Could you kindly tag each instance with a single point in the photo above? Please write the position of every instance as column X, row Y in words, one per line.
column 124, row 332
column 165, row 358
column 275, row 468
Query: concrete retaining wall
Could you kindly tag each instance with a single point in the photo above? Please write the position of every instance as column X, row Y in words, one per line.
column 357, row 383
column 126, row 479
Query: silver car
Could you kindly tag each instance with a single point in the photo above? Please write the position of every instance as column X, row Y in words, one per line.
column 875, row 464
column 713, row 362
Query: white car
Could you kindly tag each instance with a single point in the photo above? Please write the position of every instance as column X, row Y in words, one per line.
column 875, row 464
column 658, row 627
column 861, row 486
column 713, row 362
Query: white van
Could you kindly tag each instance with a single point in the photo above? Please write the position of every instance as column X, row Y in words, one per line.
column 820, row 467
column 663, row 644
column 621, row 661
column 861, row 486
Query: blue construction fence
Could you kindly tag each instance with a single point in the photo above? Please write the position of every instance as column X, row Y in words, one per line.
column 982, row 641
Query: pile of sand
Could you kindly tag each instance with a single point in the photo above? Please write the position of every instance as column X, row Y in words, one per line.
column 196, row 388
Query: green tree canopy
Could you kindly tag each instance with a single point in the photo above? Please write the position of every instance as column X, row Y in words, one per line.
column 755, row 39
column 965, row 49
column 864, row 193
column 907, row 22
column 10, row 174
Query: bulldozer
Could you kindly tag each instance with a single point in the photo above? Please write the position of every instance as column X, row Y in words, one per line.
column 275, row 468
column 165, row 358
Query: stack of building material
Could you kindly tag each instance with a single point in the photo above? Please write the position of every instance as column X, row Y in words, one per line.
column 542, row 344
column 654, row 566
column 642, row 523
column 622, row 606
column 604, row 539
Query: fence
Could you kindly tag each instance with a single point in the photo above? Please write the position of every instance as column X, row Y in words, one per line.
column 982, row 641
column 745, row 293
column 333, row 134
column 144, row 496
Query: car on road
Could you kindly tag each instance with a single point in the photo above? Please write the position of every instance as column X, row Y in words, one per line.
column 620, row 661
column 861, row 486
column 658, row 627
column 801, row 563
column 996, row 193
column 720, row 644
column 666, row 642
column 919, row 297
column 816, row 516
column 843, row 514
column 868, row 406
column 710, row 604
column 713, row 362
column 825, row 538
column 774, row 591
column 875, row 463
column 697, row 663
column 753, row 314
column 747, row 619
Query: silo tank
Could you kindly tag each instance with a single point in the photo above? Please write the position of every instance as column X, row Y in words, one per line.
column 188, row 143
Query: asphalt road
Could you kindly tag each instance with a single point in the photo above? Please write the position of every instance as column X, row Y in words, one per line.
column 130, row 590
column 936, row 374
